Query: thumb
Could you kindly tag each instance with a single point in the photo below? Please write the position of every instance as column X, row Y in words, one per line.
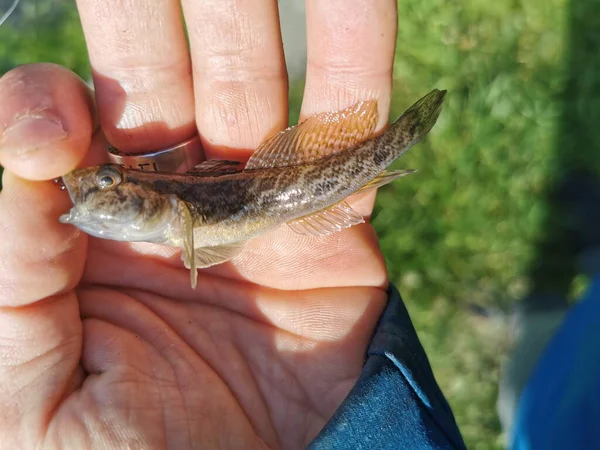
column 46, row 119
column 41, row 260
column 45, row 131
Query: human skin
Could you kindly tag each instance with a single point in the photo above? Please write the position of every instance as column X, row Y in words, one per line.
column 105, row 344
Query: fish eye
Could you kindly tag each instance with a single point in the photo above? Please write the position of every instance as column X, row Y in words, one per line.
column 106, row 181
column 108, row 177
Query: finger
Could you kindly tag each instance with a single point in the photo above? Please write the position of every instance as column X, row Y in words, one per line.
column 43, row 132
column 350, row 57
column 240, row 80
column 142, row 74
column 41, row 261
column 350, row 54
column 39, row 257
column 40, row 347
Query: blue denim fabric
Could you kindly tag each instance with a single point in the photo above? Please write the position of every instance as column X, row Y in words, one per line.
column 396, row 403
column 560, row 404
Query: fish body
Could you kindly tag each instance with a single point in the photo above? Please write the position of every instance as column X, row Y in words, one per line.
column 300, row 176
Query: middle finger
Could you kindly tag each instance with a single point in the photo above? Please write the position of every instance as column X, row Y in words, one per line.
column 240, row 79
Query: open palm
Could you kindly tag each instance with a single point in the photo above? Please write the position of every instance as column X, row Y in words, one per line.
column 105, row 344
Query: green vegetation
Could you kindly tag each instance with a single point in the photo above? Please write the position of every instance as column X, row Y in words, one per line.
column 475, row 225
column 43, row 31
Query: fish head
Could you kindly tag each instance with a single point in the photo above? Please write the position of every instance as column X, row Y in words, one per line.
column 108, row 205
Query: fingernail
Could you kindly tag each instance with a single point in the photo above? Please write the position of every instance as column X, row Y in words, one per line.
column 32, row 132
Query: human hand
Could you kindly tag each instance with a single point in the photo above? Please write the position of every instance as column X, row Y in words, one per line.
column 104, row 344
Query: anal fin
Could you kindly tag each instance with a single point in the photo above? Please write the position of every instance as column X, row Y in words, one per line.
column 385, row 177
column 327, row 221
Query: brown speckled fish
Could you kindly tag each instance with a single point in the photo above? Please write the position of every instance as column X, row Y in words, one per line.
column 300, row 176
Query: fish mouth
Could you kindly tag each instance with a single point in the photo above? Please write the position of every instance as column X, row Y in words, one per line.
column 81, row 218
column 70, row 217
column 74, row 216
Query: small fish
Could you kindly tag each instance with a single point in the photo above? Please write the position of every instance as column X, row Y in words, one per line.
column 301, row 177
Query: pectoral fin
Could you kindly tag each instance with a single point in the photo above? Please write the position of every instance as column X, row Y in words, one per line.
column 210, row 256
column 327, row 221
column 187, row 226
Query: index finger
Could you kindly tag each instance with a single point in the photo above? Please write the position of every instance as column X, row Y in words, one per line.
column 142, row 72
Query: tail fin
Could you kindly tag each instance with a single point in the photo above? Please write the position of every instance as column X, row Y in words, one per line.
column 425, row 112
column 415, row 123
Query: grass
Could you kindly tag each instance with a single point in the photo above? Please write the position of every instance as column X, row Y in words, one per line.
column 475, row 225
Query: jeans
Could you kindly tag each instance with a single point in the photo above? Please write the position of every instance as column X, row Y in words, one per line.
column 396, row 402
column 559, row 407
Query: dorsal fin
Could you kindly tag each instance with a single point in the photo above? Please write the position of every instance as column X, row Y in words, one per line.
column 216, row 167
column 318, row 136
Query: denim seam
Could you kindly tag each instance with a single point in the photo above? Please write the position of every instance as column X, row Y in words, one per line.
column 418, row 371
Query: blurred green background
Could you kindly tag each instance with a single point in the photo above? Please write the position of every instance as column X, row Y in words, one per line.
column 476, row 226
